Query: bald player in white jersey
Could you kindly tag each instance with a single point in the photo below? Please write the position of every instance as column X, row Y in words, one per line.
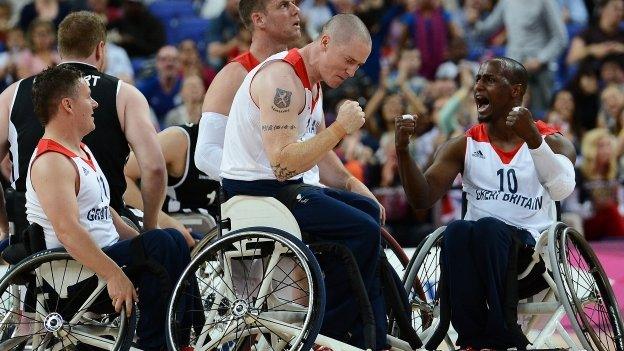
column 275, row 26
column 265, row 154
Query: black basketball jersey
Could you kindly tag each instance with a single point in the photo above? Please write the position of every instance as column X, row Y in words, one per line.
column 107, row 142
column 194, row 190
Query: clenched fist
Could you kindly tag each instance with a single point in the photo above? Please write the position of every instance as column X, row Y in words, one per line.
column 350, row 116
column 520, row 120
column 405, row 127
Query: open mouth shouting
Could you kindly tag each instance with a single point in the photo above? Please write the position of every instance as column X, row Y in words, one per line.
column 483, row 104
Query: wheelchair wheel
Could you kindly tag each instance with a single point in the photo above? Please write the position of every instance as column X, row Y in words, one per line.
column 421, row 280
column 51, row 302
column 394, row 252
column 208, row 239
column 255, row 288
column 589, row 300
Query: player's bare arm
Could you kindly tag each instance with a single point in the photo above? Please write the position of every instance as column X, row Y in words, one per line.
column 334, row 174
column 133, row 112
column 280, row 96
column 174, row 145
column 123, row 229
column 221, row 91
column 423, row 189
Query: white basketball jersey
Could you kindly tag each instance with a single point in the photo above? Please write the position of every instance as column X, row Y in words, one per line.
column 504, row 185
column 93, row 198
column 243, row 152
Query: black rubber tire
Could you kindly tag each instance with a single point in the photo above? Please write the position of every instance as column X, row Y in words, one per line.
column 571, row 246
column 316, row 310
column 27, row 266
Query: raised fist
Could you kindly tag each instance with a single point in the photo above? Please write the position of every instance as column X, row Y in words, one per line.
column 405, row 127
column 350, row 116
column 520, row 120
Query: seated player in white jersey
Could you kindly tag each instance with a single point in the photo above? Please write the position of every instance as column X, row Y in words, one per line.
column 267, row 149
column 513, row 169
column 68, row 196
column 274, row 26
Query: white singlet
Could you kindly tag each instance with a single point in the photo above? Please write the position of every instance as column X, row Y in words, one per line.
column 504, row 185
column 244, row 157
column 93, row 198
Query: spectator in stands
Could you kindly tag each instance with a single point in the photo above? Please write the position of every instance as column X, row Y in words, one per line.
column 192, row 95
column 162, row 89
column 138, row 32
column 191, row 62
column 612, row 71
column 611, row 109
column 315, row 13
column 598, row 41
column 430, row 30
column 5, row 20
column 536, row 36
column 596, row 197
column 15, row 44
column 104, row 8
column 41, row 53
column 585, row 91
column 574, row 15
column 118, row 63
column 221, row 34
column 395, row 96
column 46, row 10
column 561, row 115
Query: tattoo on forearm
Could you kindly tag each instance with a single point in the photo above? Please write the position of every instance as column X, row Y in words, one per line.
column 282, row 173
column 271, row 127
column 281, row 101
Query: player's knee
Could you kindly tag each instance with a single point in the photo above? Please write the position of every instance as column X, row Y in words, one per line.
column 490, row 231
column 159, row 243
column 457, row 235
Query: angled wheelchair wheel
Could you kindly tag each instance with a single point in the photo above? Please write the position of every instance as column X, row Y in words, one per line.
column 208, row 239
column 254, row 289
column 421, row 280
column 585, row 292
column 49, row 301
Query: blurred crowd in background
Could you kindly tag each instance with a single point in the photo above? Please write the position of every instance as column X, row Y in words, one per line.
column 424, row 58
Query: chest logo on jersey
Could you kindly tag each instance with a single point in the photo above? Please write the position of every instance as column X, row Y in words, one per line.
column 478, row 154
column 85, row 171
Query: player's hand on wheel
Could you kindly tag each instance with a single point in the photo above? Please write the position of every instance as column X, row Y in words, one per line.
column 121, row 291
column 350, row 116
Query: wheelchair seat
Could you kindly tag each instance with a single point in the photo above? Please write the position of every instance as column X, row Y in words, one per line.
column 255, row 211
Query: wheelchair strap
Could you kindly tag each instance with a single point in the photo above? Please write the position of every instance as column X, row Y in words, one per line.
column 141, row 264
column 342, row 253
column 510, row 295
column 398, row 303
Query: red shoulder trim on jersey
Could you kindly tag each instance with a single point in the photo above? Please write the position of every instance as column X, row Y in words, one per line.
column 479, row 133
column 294, row 59
column 46, row 145
column 546, row 129
column 247, row 60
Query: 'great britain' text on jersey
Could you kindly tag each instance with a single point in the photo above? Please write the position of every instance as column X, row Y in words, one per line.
column 505, row 185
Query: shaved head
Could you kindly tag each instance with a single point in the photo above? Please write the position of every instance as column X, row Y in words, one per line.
column 344, row 28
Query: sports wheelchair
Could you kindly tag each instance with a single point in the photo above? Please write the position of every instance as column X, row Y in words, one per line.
column 563, row 278
column 258, row 286
column 48, row 301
